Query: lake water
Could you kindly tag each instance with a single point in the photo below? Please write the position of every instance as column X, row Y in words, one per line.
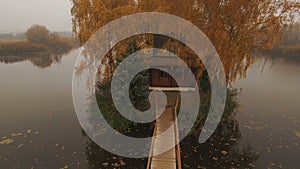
column 270, row 112
column 37, row 114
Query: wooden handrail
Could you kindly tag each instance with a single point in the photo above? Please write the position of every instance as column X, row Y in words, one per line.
column 177, row 142
column 178, row 156
column 151, row 148
column 153, row 138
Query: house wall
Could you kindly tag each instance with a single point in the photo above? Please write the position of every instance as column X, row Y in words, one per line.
column 158, row 79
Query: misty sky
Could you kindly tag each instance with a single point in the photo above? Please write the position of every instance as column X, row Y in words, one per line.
column 19, row 15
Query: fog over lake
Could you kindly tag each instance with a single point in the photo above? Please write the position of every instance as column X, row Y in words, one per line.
column 17, row 16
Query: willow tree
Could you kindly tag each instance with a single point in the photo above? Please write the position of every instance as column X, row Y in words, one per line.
column 235, row 27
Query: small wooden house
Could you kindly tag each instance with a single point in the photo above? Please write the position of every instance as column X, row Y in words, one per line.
column 160, row 79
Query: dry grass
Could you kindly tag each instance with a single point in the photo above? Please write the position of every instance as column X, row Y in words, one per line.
column 9, row 41
column 291, row 47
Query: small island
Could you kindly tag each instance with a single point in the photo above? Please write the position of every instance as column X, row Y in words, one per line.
column 37, row 40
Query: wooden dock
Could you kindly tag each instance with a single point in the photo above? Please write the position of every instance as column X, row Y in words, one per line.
column 171, row 158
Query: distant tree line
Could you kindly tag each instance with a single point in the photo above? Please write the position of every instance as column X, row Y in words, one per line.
column 290, row 45
column 38, row 39
column 292, row 36
column 9, row 36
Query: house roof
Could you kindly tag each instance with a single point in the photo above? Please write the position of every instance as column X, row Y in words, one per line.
column 160, row 40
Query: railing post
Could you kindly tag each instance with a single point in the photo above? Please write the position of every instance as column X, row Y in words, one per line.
column 177, row 143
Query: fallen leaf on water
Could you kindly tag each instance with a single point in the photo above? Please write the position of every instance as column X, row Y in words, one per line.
column 233, row 139
column 116, row 165
column 252, row 165
column 248, row 127
column 65, row 167
column 224, row 152
column 122, row 163
column 21, row 145
column 6, row 141
column 15, row 134
column 297, row 133
column 105, row 164
column 259, row 128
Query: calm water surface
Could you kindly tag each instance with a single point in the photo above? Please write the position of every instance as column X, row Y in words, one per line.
column 37, row 114
column 270, row 112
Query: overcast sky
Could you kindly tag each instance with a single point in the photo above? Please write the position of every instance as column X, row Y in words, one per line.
column 19, row 15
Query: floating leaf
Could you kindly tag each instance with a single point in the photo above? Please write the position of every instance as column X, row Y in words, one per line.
column 15, row 134
column 122, row 163
column 21, row 145
column 6, row 141
column 248, row 127
column 65, row 167
column 252, row 165
column 215, row 158
column 233, row 139
column 224, row 152
column 105, row 164
column 259, row 128
column 297, row 133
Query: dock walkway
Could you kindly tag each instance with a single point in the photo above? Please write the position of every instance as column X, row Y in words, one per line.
column 167, row 160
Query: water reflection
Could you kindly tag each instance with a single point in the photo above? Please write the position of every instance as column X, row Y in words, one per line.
column 222, row 150
column 41, row 61
column 99, row 158
column 269, row 112
column 265, row 135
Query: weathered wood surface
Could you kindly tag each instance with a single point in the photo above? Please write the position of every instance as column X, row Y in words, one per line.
column 173, row 89
column 166, row 160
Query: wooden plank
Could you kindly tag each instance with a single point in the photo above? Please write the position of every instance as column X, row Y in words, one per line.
column 151, row 149
column 165, row 160
column 178, row 155
column 183, row 89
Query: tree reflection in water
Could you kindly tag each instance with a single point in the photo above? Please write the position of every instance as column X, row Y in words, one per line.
column 99, row 158
column 41, row 61
column 222, row 150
